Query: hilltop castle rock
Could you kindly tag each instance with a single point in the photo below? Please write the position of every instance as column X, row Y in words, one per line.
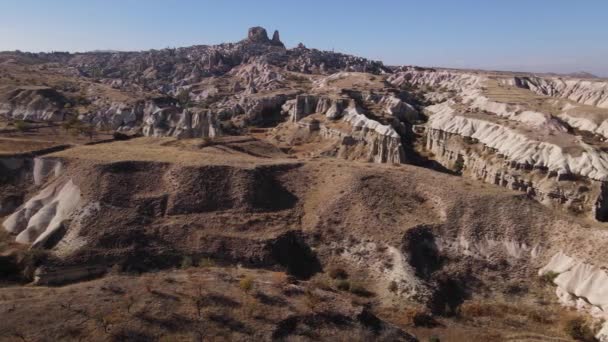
column 259, row 35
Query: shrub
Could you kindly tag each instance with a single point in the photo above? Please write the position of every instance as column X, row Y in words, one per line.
column 311, row 300
column 31, row 259
column 120, row 136
column 434, row 339
column 21, row 125
column 338, row 273
column 360, row 290
column 206, row 141
column 88, row 131
column 206, row 262
column 459, row 164
column 184, row 98
column 548, row 277
column 187, row 262
column 419, row 318
column 393, row 287
column 423, row 319
column 343, row 285
column 246, row 284
column 577, row 328
column 73, row 123
column 321, row 283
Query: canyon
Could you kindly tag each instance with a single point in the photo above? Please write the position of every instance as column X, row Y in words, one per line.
column 331, row 196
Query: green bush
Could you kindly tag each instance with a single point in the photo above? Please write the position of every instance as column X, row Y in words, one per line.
column 360, row 290
column 343, row 285
column 548, row 278
column 246, row 284
column 21, row 125
column 187, row 262
column 206, row 262
column 459, row 164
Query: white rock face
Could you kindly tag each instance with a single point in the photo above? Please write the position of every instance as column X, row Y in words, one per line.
column 520, row 148
column 514, row 138
column 399, row 109
column 367, row 139
column 589, row 92
column 44, row 214
column 582, row 286
column 33, row 103
column 43, row 167
column 162, row 122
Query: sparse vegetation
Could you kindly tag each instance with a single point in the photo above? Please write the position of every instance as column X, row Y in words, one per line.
column 501, row 310
column 548, row 278
column 246, row 284
column 183, row 97
column 577, row 328
column 120, row 136
column 358, row 289
column 206, row 262
column 337, row 273
column 21, row 125
column 392, row 286
column 187, row 262
column 459, row 164
column 419, row 317
column 343, row 285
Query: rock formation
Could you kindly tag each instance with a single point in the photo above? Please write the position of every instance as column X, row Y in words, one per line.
column 489, row 137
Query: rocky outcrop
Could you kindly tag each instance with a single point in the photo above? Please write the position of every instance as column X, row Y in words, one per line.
column 588, row 92
column 382, row 142
column 44, row 214
column 473, row 159
column 184, row 124
column 484, row 132
column 182, row 92
column 522, row 149
column 582, row 286
column 260, row 36
column 366, row 139
column 33, row 103
column 116, row 115
column 305, row 105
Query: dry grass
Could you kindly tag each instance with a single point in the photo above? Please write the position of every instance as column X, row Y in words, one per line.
column 168, row 150
column 475, row 309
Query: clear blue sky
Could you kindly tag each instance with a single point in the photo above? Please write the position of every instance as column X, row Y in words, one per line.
column 529, row 35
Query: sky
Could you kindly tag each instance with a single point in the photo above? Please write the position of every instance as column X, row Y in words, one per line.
column 517, row 35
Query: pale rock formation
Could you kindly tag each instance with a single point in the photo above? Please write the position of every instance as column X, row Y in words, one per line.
column 368, row 139
column 582, row 286
column 116, row 115
column 589, row 92
column 510, row 143
column 259, row 75
column 45, row 166
column 33, row 103
column 44, row 214
column 180, row 124
column 519, row 148
column 403, row 111
column 305, row 105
